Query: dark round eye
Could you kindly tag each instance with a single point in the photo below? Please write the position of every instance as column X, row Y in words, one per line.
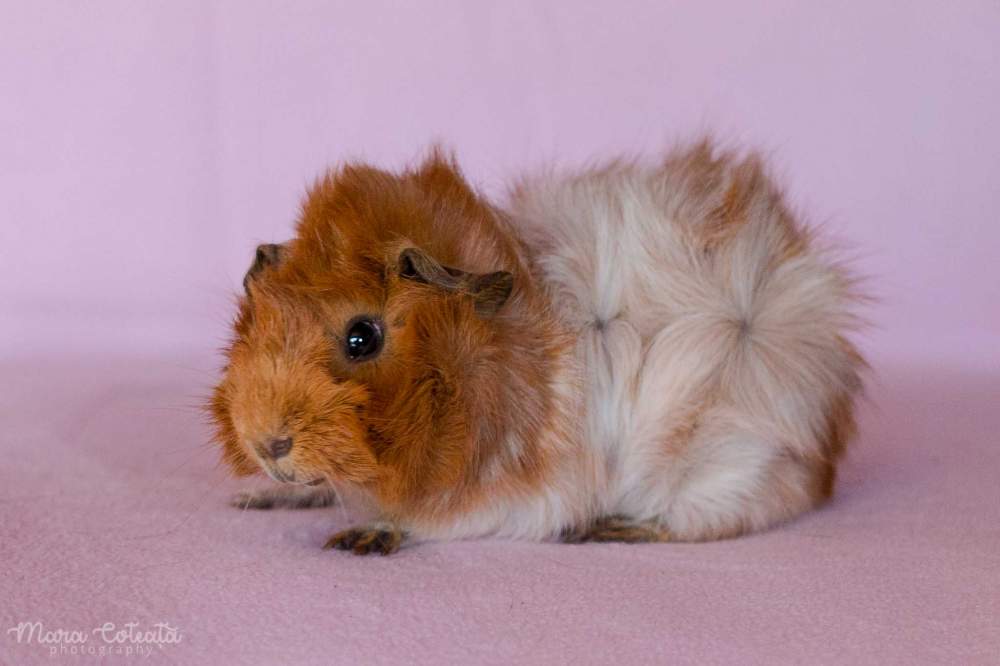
column 364, row 339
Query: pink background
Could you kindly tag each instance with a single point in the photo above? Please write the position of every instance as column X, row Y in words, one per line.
column 146, row 148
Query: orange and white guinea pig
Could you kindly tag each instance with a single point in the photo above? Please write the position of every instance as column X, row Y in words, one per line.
column 623, row 354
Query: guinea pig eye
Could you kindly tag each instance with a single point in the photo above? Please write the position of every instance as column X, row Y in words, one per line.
column 364, row 339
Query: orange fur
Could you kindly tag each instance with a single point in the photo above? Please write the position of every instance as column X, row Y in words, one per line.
column 420, row 427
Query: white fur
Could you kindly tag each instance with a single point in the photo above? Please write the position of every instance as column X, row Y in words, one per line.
column 745, row 345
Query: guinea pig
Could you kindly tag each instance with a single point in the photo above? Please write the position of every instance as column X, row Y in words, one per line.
column 630, row 353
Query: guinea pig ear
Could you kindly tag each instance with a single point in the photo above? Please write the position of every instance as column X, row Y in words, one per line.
column 267, row 255
column 489, row 291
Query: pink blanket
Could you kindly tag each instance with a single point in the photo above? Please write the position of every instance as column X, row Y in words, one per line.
column 115, row 512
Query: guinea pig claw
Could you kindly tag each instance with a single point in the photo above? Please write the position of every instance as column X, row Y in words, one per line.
column 381, row 539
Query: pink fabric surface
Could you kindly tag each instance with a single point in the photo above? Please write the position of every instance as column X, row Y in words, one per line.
column 145, row 148
column 114, row 512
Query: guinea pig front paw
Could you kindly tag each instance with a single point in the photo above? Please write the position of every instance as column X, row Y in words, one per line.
column 285, row 497
column 381, row 538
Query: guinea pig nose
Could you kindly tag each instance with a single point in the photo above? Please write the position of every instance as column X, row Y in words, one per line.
column 279, row 447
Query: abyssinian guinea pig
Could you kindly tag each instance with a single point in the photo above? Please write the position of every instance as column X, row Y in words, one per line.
column 624, row 354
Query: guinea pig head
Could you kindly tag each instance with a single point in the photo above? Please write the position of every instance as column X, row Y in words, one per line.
column 353, row 343
column 279, row 408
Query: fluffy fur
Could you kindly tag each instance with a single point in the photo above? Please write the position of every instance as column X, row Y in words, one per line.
column 670, row 362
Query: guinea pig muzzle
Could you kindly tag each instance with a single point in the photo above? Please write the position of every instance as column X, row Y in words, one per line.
column 273, row 457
